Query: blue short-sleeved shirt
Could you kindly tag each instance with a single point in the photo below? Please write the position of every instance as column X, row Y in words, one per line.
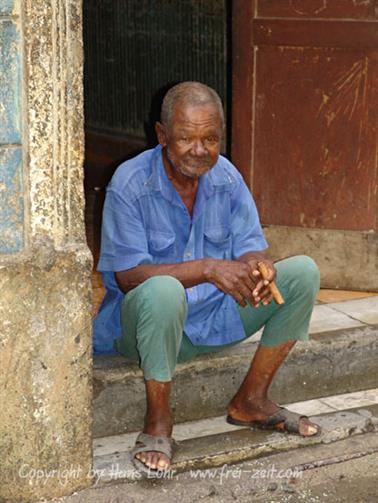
column 146, row 222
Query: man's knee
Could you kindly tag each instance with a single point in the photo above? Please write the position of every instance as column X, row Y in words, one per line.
column 164, row 293
column 309, row 271
column 302, row 273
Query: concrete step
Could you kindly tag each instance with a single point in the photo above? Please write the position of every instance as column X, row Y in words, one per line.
column 212, row 443
column 341, row 357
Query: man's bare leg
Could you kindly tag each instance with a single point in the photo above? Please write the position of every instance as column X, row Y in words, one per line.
column 157, row 421
column 251, row 401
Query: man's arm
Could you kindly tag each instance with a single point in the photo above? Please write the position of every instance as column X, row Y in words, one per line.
column 233, row 277
column 189, row 273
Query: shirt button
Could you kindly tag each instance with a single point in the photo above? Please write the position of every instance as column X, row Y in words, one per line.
column 190, row 289
column 188, row 254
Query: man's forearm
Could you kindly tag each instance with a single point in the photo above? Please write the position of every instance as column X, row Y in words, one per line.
column 189, row 273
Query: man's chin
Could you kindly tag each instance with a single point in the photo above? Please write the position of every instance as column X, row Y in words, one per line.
column 194, row 172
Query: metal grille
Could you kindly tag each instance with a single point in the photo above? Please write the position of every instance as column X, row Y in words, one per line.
column 135, row 47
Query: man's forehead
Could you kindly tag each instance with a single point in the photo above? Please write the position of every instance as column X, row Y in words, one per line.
column 186, row 115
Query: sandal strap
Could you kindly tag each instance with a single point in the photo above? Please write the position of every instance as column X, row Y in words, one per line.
column 290, row 419
column 146, row 443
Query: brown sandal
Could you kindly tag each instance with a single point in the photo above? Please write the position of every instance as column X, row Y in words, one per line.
column 147, row 443
column 282, row 415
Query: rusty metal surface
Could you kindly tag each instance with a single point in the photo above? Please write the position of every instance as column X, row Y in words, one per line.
column 315, row 33
column 352, row 9
column 314, row 89
column 316, row 138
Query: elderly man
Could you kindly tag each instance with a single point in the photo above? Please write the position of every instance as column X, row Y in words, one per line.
column 181, row 239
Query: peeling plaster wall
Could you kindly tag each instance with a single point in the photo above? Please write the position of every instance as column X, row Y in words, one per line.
column 45, row 265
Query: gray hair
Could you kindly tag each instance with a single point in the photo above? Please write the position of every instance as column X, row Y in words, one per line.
column 192, row 94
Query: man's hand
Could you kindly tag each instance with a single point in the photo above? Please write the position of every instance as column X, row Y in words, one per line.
column 241, row 279
column 262, row 291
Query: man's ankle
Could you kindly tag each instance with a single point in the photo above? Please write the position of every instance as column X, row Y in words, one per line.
column 249, row 396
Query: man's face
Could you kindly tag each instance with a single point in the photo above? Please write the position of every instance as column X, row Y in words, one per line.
column 193, row 139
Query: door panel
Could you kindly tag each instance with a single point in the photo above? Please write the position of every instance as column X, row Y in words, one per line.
column 305, row 118
column 315, row 136
column 342, row 9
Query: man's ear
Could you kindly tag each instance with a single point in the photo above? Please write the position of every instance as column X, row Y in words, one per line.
column 161, row 133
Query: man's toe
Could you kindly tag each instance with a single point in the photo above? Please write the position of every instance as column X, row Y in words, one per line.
column 155, row 460
column 307, row 428
column 141, row 456
column 163, row 463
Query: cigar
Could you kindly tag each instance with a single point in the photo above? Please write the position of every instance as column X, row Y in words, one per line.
column 272, row 286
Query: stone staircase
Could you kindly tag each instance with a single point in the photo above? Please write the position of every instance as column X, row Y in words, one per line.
column 341, row 357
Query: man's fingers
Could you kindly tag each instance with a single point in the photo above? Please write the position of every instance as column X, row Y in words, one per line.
column 248, row 284
column 239, row 292
column 266, row 295
column 258, row 289
column 239, row 299
column 246, row 293
column 255, row 275
column 268, row 299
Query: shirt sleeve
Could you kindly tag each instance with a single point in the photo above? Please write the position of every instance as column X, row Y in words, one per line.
column 247, row 234
column 123, row 237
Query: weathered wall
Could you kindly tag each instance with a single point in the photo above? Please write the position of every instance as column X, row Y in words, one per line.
column 346, row 259
column 45, row 296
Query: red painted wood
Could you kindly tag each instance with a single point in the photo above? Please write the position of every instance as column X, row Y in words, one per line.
column 316, row 33
column 305, row 120
column 344, row 9
column 316, row 138
column 242, row 86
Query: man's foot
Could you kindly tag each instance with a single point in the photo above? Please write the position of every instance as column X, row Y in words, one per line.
column 259, row 410
column 157, row 423
column 157, row 427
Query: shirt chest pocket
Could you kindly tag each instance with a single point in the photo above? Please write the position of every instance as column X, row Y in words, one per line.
column 217, row 243
column 161, row 245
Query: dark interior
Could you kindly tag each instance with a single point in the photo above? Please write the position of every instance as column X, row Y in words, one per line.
column 135, row 51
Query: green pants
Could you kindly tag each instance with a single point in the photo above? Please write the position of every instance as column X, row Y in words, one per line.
column 153, row 316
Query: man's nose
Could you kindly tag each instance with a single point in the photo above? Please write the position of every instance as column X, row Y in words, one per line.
column 198, row 148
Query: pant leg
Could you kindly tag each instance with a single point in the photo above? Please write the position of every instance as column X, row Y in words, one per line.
column 298, row 280
column 152, row 317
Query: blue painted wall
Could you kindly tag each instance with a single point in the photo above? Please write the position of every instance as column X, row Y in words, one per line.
column 6, row 7
column 11, row 166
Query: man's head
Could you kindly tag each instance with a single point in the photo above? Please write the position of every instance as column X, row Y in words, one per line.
column 191, row 128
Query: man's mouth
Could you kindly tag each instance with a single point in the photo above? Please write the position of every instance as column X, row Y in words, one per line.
column 197, row 163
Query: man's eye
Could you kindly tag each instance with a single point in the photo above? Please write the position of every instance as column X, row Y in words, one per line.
column 212, row 139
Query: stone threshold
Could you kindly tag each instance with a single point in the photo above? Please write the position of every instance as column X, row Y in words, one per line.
column 112, row 462
column 211, row 426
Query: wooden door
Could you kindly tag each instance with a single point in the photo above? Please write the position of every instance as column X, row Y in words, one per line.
column 305, row 110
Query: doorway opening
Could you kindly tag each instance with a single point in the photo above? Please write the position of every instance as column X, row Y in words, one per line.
column 134, row 51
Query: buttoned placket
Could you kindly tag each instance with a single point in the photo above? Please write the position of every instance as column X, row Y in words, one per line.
column 189, row 254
